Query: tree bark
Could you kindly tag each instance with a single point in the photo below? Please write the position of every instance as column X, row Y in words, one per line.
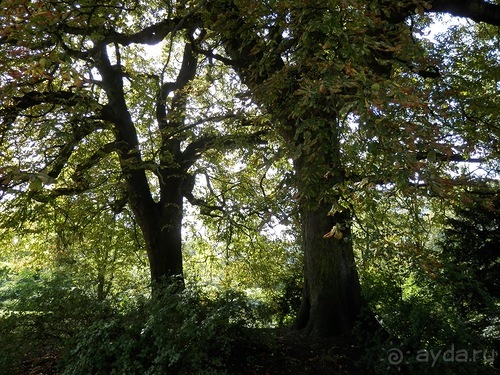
column 332, row 299
column 163, row 238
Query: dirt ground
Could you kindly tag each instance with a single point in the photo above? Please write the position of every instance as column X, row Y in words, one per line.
column 284, row 351
column 267, row 352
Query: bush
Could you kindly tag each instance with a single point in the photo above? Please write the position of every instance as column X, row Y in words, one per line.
column 38, row 313
column 175, row 333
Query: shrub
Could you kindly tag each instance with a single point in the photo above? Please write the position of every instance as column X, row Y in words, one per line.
column 38, row 313
column 174, row 333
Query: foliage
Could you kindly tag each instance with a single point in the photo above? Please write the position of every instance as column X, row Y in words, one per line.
column 421, row 292
column 67, row 235
column 39, row 312
column 47, row 314
column 185, row 333
column 431, row 281
column 245, row 237
column 471, row 243
column 471, row 253
column 257, row 112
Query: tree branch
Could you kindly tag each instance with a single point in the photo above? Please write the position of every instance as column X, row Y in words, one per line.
column 175, row 118
column 186, row 74
column 442, row 157
column 151, row 35
column 34, row 98
column 127, row 140
column 202, row 144
column 93, row 160
column 79, row 132
column 476, row 10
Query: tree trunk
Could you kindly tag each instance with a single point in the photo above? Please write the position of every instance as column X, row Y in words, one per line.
column 163, row 243
column 160, row 222
column 162, row 231
column 331, row 301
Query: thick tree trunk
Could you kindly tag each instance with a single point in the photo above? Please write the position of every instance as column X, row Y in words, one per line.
column 163, row 238
column 163, row 243
column 331, row 301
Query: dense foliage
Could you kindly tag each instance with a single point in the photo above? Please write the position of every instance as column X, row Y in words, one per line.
column 175, row 174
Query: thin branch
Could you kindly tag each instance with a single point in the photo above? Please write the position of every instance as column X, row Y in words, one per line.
column 218, row 118
column 422, row 155
column 105, row 150
column 67, row 149
column 196, row 148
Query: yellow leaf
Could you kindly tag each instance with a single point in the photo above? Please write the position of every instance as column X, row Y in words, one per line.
column 334, row 232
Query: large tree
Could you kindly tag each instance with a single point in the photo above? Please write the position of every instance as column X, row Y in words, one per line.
column 348, row 84
column 84, row 102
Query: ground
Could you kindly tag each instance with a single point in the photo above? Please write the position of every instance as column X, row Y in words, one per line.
column 285, row 351
column 267, row 352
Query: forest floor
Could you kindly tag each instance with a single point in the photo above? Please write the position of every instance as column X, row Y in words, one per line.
column 285, row 351
column 266, row 352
